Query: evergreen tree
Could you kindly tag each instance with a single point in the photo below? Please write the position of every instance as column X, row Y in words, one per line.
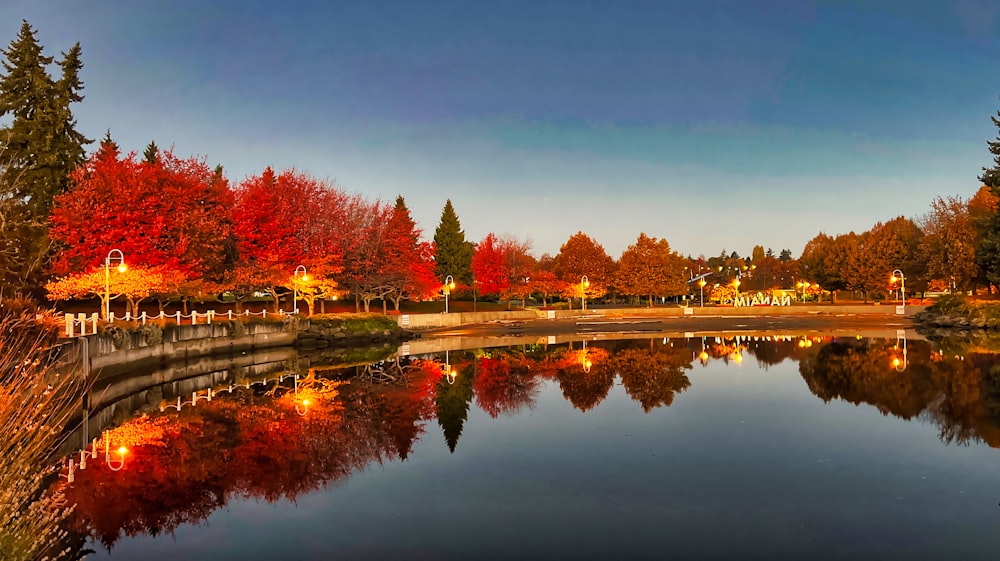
column 988, row 252
column 151, row 153
column 452, row 254
column 39, row 146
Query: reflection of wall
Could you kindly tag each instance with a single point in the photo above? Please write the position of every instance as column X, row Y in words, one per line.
column 113, row 399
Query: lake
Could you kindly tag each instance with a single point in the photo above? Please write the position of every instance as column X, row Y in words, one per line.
column 749, row 447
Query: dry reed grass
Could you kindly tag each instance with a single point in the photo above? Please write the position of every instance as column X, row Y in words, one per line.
column 36, row 402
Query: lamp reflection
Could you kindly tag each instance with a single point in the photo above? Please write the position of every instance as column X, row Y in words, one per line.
column 121, row 451
column 585, row 361
column 449, row 373
column 301, row 408
column 899, row 364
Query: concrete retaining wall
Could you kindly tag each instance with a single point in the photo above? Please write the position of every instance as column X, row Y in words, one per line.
column 176, row 343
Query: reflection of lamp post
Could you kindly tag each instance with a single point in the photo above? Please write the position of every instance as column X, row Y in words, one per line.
column 902, row 287
column 449, row 285
column 584, row 285
column 305, row 408
column 584, row 359
column 113, row 254
column 107, row 453
column 900, row 365
column 295, row 288
column 449, row 374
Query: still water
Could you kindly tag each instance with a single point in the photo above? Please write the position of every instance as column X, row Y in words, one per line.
column 696, row 448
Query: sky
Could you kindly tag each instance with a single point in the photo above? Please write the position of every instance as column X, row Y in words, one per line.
column 717, row 124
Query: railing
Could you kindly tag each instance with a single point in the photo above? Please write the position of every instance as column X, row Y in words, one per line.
column 86, row 324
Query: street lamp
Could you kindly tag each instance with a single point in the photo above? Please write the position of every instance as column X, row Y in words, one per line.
column 584, row 285
column 902, row 287
column 449, row 285
column 113, row 254
column 701, row 287
column 295, row 288
column 803, row 285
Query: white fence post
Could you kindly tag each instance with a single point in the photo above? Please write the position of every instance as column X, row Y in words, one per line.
column 93, row 324
column 178, row 317
column 69, row 324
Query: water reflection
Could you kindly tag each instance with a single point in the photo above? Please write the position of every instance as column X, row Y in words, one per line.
column 291, row 436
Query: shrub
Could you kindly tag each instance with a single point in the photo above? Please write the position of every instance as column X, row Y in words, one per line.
column 951, row 304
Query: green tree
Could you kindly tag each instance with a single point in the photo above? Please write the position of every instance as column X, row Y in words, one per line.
column 40, row 147
column 452, row 254
column 988, row 251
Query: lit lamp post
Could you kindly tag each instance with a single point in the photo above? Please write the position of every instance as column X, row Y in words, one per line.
column 449, row 285
column 584, row 285
column 295, row 288
column 802, row 285
column 902, row 288
column 113, row 254
column 701, row 287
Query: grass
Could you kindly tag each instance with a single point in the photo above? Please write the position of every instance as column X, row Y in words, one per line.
column 36, row 402
column 354, row 323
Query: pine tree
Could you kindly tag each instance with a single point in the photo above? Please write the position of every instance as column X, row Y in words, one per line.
column 151, row 153
column 39, row 146
column 452, row 254
column 988, row 252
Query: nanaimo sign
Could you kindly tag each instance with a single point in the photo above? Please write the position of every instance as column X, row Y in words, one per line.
column 762, row 300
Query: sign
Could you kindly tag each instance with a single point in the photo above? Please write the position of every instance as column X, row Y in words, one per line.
column 759, row 299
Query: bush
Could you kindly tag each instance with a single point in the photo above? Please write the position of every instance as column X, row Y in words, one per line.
column 951, row 304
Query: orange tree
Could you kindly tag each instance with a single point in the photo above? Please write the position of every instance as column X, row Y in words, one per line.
column 648, row 267
column 581, row 257
column 134, row 284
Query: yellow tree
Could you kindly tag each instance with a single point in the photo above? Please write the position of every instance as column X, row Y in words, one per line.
column 949, row 243
column 312, row 288
column 649, row 268
column 134, row 284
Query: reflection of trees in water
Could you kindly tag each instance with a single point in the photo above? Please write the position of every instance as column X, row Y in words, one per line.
column 452, row 400
column 653, row 375
column 584, row 387
column 959, row 392
column 504, row 384
column 183, row 466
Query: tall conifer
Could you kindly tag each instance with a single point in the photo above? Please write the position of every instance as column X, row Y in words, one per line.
column 452, row 254
column 39, row 147
column 988, row 252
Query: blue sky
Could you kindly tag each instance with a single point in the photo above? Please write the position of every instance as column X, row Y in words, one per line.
column 713, row 124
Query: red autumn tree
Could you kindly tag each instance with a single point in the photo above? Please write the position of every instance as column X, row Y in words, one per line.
column 275, row 233
column 489, row 266
column 409, row 261
column 166, row 212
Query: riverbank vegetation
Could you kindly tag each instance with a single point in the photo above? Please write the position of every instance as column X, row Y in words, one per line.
column 36, row 402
